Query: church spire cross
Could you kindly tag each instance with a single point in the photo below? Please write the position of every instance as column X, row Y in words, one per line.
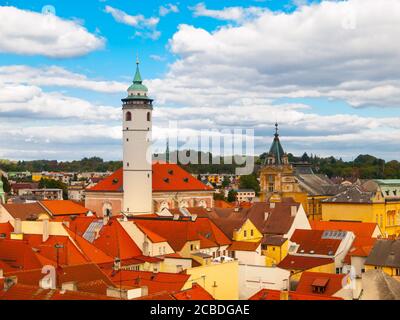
column 276, row 129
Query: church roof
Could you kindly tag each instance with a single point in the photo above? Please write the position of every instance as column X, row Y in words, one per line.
column 137, row 84
column 166, row 177
column 276, row 149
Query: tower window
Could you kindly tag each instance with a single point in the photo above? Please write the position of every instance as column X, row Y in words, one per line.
column 148, row 116
column 128, row 116
column 127, row 164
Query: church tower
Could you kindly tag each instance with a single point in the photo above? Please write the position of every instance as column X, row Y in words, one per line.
column 137, row 156
column 277, row 178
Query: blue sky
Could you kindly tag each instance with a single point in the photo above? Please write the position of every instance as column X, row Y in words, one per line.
column 325, row 70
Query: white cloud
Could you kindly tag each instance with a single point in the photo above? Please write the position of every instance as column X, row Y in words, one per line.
column 237, row 14
column 137, row 21
column 32, row 102
column 56, row 76
column 340, row 50
column 31, row 33
column 167, row 9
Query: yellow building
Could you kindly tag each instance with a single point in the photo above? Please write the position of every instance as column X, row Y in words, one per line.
column 376, row 201
column 36, row 176
column 247, row 232
column 275, row 249
column 221, row 280
column 277, row 175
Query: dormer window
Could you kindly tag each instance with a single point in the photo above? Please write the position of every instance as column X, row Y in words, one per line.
column 319, row 285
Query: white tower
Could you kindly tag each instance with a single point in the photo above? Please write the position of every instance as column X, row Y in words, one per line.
column 137, row 125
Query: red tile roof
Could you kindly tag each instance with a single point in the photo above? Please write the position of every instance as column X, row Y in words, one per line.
column 46, row 251
column 166, row 177
column 112, row 241
column 63, row 207
column 244, row 246
column 361, row 247
column 6, row 229
column 26, row 292
column 331, row 282
column 197, row 292
column 179, row 232
column 88, row 277
column 265, row 294
column 91, row 252
column 154, row 237
column 18, row 255
column 311, row 240
column 24, row 211
column 155, row 282
column 360, row 229
column 291, row 262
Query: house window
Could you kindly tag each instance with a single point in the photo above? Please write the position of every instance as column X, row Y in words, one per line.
column 245, row 233
column 338, row 270
column 128, row 116
column 191, row 247
column 252, row 232
column 398, row 272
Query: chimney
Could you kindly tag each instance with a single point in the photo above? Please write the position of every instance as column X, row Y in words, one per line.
column 105, row 220
column 272, row 205
column 69, row 286
column 176, row 216
column 145, row 291
column 1, row 274
column 293, row 211
column 266, row 215
column 18, row 226
column 284, row 294
column 193, row 217
column 45, row 235
column 117, row 264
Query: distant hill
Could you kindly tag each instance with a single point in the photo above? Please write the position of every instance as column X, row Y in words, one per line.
column 363, row 166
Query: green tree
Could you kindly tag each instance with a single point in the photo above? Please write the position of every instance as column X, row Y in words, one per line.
column 6, row 184
column 249, row 182
column 225, row 182
column 232, row 194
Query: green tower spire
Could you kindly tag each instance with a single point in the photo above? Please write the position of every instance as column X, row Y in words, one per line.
column 276, row 149
column 137, row 90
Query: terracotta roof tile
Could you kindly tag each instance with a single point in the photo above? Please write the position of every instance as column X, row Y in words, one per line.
column 331, row 282
column 197, row 292
column 27, row 292
column 291, row 262
column 265, row 294
column 64, row 207
column 312, row 241
column 360, row 229
column 179, row 232
column 24, row 211
column 155, row 282
column 244, row 246
column 166, row 177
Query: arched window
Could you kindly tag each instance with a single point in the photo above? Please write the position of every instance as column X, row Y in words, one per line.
column 128, row 116
column 148, row 116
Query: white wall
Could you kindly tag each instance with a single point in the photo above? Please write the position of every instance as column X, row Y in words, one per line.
column 138, row 236
column 254, row 278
